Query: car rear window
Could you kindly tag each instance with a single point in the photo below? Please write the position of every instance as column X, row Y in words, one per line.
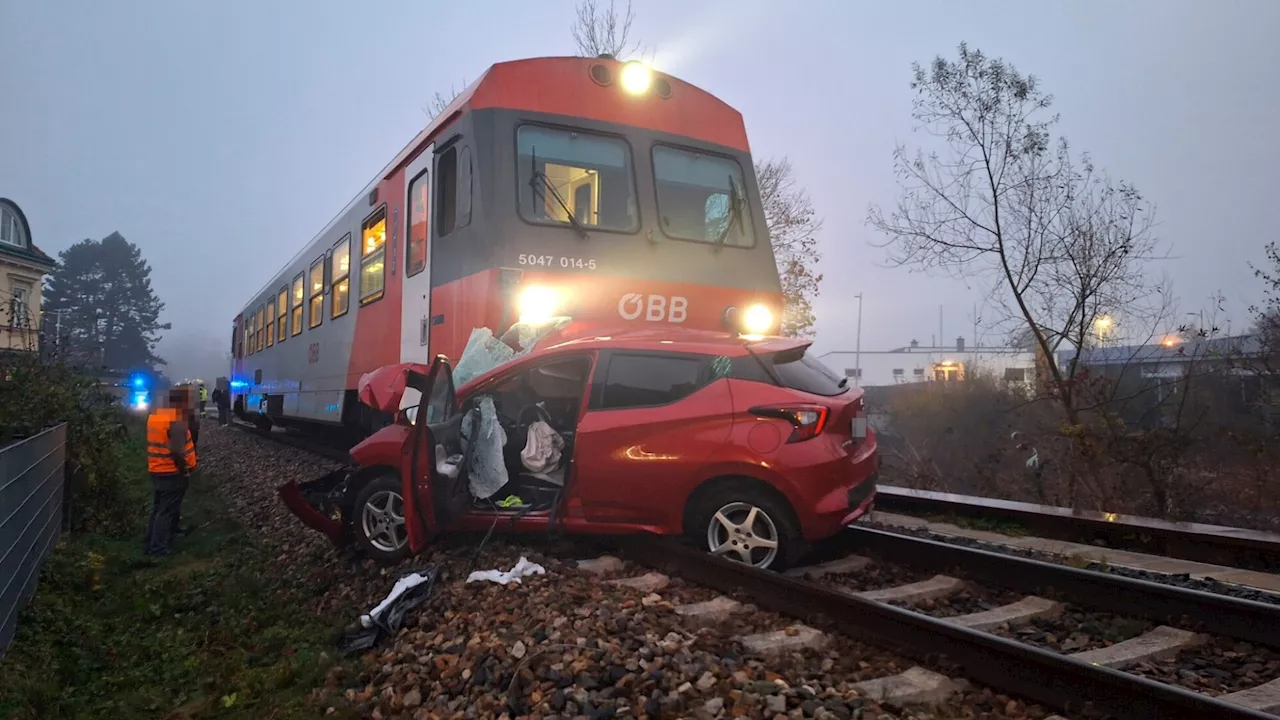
column 649, row 380
column 799, row 371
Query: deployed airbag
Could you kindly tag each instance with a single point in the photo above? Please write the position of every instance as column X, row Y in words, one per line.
column 487, row 472
column 542, row 448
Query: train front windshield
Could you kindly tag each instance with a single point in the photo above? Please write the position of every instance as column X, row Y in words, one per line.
column 576, row 179
column 701, row 197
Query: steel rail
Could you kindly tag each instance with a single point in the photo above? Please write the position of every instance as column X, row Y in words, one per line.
column 1218, row 544
column 1221, row 614
column 1058, row 681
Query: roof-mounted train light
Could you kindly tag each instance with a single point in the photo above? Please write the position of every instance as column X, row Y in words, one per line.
column 755, row 319
column 636, row 78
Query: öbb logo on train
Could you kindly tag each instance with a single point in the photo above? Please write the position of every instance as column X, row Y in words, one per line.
column 654, row 308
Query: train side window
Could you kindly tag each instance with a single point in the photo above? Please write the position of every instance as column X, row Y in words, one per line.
column 282, row 314
column 373, row 255
column 271, row 322
column 340, row 277
column 464, row 187
column 257, row 330
column 447, row 191
column 316, row 298
column 299, row 294
column 246, row 345
column 416, row 252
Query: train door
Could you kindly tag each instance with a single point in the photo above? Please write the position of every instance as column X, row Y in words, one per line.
column 415, row 332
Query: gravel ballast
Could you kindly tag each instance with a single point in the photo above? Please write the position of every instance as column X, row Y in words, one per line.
column 566, row 644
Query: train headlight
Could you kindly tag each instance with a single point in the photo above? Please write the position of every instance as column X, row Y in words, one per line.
column 754, row 320
column 537, row 304
column 757, row 319
column 636, row 78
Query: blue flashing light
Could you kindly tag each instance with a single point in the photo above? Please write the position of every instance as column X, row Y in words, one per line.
column 239, row 384
column 140, row 400
column 138, row 381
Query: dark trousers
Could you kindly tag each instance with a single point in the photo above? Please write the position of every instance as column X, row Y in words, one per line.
column 169, row 491
column 224, row 414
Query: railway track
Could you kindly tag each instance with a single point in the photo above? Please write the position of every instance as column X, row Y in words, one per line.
column 985, row 617
column 331, row 451
column 1237, row 547
column 1006, row 622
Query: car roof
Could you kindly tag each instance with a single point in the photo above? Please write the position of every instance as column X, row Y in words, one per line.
column 665, row 339
column 583, row 338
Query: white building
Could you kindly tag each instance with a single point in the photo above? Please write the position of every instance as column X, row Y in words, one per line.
column 916, row 363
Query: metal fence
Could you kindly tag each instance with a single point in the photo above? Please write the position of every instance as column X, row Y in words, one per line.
column 32, row 496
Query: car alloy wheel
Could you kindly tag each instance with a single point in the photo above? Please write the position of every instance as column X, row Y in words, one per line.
column 743, row 532
column 382, row 520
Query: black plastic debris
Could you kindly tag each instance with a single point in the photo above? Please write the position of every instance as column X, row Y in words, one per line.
column 411, row 589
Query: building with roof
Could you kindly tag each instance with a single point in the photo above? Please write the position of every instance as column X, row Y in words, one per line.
column 916, row 363
column 1174, row 356
column 23, row 267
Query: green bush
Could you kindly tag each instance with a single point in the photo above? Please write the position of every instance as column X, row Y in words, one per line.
column 35, row 395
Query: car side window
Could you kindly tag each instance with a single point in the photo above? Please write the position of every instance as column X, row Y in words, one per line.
column 650, row 380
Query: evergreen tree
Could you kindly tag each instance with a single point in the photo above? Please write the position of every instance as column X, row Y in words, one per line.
column 109, row 313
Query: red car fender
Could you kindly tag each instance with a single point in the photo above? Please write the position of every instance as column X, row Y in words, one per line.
column 291, row 494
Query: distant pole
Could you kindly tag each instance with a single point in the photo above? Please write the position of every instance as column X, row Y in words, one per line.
column 942, row 338
column 857, row 352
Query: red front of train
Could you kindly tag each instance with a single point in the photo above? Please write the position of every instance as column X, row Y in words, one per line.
column 588, row 188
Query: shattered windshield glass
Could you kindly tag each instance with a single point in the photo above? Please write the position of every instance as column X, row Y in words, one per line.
column 484, row 351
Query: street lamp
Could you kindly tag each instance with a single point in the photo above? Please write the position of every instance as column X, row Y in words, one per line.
column 857, row 352
column 1103, row 324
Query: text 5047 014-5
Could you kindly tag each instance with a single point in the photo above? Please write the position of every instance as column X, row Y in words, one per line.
column 554, row 261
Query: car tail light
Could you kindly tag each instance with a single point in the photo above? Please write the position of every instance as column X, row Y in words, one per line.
column 808, row 420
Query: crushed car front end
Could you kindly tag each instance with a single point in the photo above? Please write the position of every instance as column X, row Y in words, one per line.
column 323, row 504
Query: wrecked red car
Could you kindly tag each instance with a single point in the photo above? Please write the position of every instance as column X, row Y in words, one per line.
column 751, row 448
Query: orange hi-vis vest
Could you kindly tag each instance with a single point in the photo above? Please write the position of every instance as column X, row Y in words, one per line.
column 159, row 456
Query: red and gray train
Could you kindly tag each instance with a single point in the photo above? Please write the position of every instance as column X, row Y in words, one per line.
column 583, row 186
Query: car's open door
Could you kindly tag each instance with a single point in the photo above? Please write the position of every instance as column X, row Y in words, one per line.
column 432, row 498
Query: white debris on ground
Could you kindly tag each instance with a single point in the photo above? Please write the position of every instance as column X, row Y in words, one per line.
column 524, row 568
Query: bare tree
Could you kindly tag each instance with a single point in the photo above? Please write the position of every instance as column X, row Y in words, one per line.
column 599, row 31
column 1061, row 244
column 793, row 227
column 439, row 101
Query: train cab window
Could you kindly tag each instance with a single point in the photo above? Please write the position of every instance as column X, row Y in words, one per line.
column 702, row 197
column 271, row 322
column 567, row 176
column 298, row 295
column 373, row 255
column 416, row 251
column 447, row 191
column 282, row 314
column 257, row 329
column 340, row 277
column 464, row 187
column 316, row 293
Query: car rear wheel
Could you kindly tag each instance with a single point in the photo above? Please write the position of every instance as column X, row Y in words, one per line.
column 750, row 527
column 379, row 525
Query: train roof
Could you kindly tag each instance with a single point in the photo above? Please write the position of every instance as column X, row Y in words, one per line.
column 522, row 85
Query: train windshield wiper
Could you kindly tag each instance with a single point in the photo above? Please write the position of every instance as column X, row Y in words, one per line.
column 540, row 178
column 735, row 211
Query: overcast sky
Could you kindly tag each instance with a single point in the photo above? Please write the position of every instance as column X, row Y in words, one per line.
column 221, row 136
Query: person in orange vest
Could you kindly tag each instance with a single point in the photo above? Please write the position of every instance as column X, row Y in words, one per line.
column 171, row 458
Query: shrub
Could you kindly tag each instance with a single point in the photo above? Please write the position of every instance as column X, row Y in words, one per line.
column 36, row 395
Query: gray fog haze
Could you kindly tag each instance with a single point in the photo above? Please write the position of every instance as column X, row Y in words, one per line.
column 221, row 136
